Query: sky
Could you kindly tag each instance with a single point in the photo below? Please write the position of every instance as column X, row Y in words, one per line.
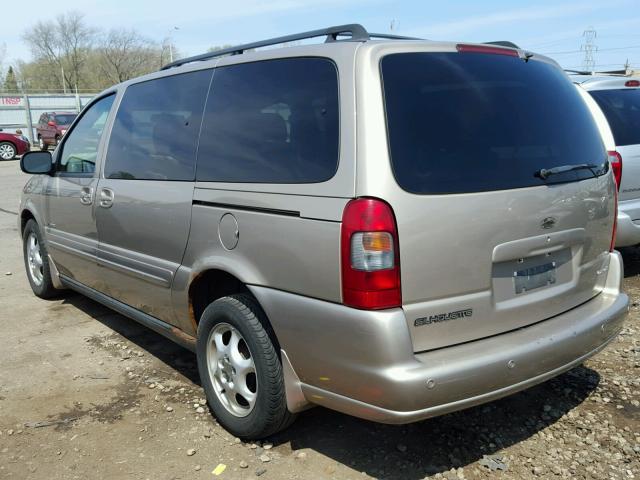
column 554, row 28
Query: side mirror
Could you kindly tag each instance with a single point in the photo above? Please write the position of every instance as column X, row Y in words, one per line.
column 37, row 163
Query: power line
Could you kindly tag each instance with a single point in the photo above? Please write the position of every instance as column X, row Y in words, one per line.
column 619, row 64
column 560, row 40
column 566, row 52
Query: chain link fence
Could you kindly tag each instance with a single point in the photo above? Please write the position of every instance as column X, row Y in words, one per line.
column 22, row 110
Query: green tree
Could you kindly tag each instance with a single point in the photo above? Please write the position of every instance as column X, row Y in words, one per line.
column 10, row 81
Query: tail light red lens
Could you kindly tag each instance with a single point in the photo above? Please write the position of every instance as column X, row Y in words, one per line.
column 370, row 256
column 632, row 83
column 464, row 48
column 615, row 159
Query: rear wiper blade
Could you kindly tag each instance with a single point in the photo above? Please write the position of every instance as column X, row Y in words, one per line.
column 545, row 173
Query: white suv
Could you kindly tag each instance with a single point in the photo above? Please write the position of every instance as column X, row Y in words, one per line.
column 619, row 99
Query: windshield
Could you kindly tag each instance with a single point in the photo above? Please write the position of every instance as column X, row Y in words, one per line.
column 65, row 119
column 470, row 122
column 622, row 109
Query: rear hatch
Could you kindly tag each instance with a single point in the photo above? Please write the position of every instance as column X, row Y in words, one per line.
column 621, row 106
column 506, row 211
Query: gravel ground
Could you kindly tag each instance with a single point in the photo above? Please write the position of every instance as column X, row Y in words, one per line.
column 87, row 394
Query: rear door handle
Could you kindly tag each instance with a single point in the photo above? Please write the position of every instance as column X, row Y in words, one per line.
column 86, row 195
column 106, row 197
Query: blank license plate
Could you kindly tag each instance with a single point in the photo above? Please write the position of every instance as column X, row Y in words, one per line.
column 534, row 277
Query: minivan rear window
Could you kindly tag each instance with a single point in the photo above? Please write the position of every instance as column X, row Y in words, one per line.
column 471, row 122
column 622, row 109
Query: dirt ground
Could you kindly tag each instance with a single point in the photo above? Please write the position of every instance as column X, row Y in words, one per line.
column 88, row 394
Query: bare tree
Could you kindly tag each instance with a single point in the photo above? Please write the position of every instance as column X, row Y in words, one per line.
column 64, row 43
column 38, row 76
column 125, row 54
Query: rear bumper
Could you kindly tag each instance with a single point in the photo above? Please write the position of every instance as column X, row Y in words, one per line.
column 628, row 233
column 360, row 362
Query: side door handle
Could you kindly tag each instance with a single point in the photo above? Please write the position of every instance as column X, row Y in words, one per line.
column 106, row 198
column 86, row 195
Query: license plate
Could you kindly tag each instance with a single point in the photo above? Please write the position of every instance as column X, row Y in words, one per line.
column 534, row 277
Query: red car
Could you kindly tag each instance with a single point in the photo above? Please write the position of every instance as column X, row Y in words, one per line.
column 12, row 144
column 52, row 126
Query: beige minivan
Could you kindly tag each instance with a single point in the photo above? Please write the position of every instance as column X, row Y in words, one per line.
column 393, row 228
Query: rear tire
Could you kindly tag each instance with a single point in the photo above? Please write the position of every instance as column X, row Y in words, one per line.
column 41, row 144
column 7, row 151
column 36, row 261
column 234, row 337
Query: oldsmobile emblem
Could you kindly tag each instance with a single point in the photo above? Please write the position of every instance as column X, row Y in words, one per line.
column 548, row 223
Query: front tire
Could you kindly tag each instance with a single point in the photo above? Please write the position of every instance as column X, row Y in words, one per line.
column 240, row 368
column 36, row 261
column 7, row 151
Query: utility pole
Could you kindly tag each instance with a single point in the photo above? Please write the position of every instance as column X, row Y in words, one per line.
column 64, row 88
column 589, row 48
column 170, row 37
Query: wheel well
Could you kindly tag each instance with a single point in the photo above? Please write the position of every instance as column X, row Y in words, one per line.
column 25, row 216
column 10, row 143
column 209, row 286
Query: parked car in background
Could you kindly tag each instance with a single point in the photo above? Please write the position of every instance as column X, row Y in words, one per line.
column 393, row 228
column 52, row 126
column 619, row 99
column 12, row 145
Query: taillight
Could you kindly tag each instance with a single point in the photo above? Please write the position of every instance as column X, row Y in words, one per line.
column 615, row 159
column 461, row 47
column 632, row 83
column 615, row 221
column 370, row 255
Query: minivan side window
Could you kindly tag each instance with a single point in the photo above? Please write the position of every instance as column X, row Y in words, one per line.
column 155, row 133
column 622, row 109
column 274, row 121
column 80, row 148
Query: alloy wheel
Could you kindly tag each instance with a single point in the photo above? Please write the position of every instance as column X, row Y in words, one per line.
column 7, row 152
column 232, row 370
column 34, row 259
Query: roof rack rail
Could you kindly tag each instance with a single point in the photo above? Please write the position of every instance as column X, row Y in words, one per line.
column 388, row 36
column 503, row 43
column 579, row 72
column 595, row 73
column 356, row 31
